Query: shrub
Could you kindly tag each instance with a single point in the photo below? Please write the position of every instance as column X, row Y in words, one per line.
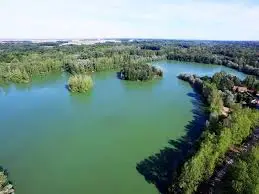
column 3, row 180
column 80, row 83
column 5, row 185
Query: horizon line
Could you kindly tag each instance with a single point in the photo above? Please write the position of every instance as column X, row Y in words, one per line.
column 130, row 38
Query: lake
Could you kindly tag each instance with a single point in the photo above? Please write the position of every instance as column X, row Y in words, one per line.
column 56, row 142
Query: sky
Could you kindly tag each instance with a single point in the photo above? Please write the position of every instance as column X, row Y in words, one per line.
column 168, row 19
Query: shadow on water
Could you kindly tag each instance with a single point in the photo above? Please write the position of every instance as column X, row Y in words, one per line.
column 67, row 87
column 141, row 85
column 9, row 87
column 118, row 75
column 37, row 82
column 104, row 75
column 161, row 168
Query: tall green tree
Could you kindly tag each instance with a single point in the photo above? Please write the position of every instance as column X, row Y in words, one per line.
column 250, row 81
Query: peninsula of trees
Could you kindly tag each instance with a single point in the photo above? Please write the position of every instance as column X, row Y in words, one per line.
column 5, row 186
column 230, row 124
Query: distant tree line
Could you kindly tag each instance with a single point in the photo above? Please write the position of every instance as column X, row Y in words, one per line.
column 18, row 64
column 20, row 61
column 244, row 58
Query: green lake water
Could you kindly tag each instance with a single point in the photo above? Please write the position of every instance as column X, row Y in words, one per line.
column 60, row 143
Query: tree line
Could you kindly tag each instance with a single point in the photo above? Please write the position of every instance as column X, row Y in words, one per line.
column 221, row 132
column 237, row 55
column 214, row 143
column 20, row 61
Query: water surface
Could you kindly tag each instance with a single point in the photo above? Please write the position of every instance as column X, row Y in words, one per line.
column 56, row 142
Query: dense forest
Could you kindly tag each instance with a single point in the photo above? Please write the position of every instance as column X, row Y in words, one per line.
column 223, row 129
column 214, row 143
column 237, row 55
column 19, row 61
column 243, row 175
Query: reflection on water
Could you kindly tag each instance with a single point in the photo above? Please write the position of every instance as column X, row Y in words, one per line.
column 104, row 75
column 161, row 67
column 37, row 82
column 81, row 98
column 144, row 86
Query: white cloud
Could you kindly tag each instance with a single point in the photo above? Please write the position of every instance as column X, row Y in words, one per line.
column 129, row 18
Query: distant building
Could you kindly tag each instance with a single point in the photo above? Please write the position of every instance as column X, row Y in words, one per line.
column 240, row 89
